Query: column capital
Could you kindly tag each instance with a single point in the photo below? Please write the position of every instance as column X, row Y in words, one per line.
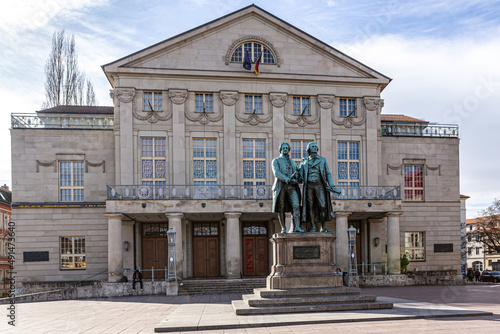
column 394, row 213
column 343, row 213
column 229, row 98
column 114, row 215
column 233, row 215
column 174, row 215
column 278, row 100
column 326, row 101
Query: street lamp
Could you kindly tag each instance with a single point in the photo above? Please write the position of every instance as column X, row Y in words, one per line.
column 351, row 232
column 172, row 269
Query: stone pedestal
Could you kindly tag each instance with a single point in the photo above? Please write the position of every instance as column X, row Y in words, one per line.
column 303, row 260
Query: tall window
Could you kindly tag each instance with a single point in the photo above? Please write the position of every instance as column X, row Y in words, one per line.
column 348, row 163
column 301, row 105
column 254, row 50
column 204, row 161
column 152, row 101
column 254, row 162
column 347, row 107
column 71, row 181
column 298, row 150
column 204, row 102
column 414, row 182
column 153, row 161
column 73, row 253
column 253, row 104
column 414, row 246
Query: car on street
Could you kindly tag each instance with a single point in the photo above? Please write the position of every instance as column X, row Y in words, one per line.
column 490, row 276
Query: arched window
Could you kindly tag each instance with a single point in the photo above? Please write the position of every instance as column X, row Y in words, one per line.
column 254, row 49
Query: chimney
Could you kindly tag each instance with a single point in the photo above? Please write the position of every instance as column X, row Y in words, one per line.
column 5, row 187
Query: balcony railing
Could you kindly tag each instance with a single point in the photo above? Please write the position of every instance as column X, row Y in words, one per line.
column 417, row 129
column 34, row 121
column 235, row 192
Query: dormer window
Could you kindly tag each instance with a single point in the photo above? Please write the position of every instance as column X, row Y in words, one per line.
column 254, row 49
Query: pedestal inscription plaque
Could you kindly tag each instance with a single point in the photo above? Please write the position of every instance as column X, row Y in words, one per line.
column 303, row 260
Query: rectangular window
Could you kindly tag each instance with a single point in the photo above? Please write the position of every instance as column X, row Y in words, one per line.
column 469, row 238
column 205, row 167
column 301, row 105
column 469, row 251
column 71, row 187
column 414, row 182
column 153, row 161
column 73, row 253
column 254, row 164
column 477, row 250
column 348, row 163
column 298, row 150
column 152, row 101
column 253, row 104
column 347, row 107
column 414, row 246
column 204, row 102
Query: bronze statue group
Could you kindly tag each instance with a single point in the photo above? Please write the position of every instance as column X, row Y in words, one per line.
column 317, row 181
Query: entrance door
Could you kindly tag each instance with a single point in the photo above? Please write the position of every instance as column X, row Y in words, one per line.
column 255, row 249
column 206, row 259
column 154, row 250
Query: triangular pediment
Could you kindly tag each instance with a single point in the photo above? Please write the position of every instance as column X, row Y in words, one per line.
column 208, row 48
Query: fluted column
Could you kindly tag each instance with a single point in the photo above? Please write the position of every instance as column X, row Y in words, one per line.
column 342, row 241
column 233, row 244
column 115, row 247
column 175, row 222
column 393, row 243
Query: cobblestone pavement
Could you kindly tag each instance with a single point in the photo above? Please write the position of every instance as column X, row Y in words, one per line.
column 141, row 314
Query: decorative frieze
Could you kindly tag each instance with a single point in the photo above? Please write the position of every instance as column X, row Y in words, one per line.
column 99, row 164
column 278, row 100
column 373, row 103
column 178, row 96
column 46, row 164
column 229, row 98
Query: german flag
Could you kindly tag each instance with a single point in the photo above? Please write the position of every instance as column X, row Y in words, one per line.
column 257, row 62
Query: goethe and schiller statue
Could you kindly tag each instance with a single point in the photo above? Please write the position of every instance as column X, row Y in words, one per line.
column 317, row 185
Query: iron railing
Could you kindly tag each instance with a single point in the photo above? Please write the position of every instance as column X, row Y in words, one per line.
column 228, row 192
column 35, row 121
column 418, row 129
column 377, row 268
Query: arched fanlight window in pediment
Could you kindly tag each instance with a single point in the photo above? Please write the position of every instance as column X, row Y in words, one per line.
column 254, row 46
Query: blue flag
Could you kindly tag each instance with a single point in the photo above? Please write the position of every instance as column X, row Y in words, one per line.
column 247, row 65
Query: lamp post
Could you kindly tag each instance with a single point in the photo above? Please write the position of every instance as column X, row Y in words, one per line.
column 172, row 268
column 351, row 233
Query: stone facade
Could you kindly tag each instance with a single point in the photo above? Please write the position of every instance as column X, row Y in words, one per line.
column 224, row 222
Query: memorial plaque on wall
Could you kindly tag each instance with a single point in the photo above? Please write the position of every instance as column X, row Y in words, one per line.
column 306, row 252
column 35, row 256
column 443, row 248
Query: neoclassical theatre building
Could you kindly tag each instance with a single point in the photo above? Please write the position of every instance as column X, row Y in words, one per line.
column 188, row 145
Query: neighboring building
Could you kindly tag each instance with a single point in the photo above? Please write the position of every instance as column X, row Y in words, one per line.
column 463, row 232
column 475, row 247
column 5, row 218
column 188, row 145
column 480, row 256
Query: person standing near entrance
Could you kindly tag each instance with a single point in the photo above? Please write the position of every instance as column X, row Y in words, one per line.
column 318, row 183
column 286, row 191
column 136, row 278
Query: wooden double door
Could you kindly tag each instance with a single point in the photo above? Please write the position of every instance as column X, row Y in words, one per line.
column 255, row 249
column 206, row 253
column 154, row 255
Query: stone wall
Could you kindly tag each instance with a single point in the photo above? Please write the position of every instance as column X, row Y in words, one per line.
column 440, row 277
column 46, row 291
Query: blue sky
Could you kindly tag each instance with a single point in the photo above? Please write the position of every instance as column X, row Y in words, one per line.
column 443, row 57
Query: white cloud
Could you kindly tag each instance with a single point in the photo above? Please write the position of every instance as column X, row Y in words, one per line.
column 17, row 16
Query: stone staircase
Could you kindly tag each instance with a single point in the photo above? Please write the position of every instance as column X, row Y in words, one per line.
column 219, row 286
column 272, row 301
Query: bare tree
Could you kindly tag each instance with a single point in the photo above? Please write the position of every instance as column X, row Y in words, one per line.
column 488, row 227
column 65, row 84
